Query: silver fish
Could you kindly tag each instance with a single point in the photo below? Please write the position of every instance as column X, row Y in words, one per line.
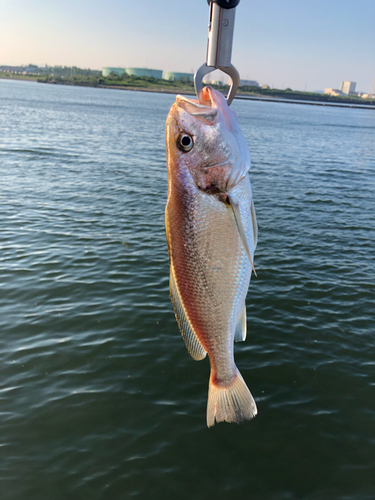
column 211, row 233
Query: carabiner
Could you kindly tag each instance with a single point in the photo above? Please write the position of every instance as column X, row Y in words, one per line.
column 219, row 45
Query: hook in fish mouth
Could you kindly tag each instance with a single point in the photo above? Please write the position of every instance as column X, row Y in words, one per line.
column 229, row 70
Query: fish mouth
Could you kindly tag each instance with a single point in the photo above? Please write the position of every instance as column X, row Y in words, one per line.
column 206, row 114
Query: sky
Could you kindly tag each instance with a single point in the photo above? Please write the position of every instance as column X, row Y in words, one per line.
column 283, row 43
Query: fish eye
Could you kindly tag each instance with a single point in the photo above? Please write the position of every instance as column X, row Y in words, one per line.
column 185, row 142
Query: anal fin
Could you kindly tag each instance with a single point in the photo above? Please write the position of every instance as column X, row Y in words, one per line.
column 192, row 342
column 241, row 327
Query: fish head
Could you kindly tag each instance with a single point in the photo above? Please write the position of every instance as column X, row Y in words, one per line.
column 204, row 136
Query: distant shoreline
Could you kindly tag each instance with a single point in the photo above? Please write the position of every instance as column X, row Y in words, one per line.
column 247, row 97
column 240, row 95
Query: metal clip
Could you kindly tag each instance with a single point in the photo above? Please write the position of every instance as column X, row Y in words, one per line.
column 219, row 48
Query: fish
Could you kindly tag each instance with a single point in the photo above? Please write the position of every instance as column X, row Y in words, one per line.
column 211, row 233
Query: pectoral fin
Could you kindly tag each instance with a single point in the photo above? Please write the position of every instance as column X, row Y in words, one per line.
column 237, row 215
column 255, row 223
column 192, row 342
column 240, row 332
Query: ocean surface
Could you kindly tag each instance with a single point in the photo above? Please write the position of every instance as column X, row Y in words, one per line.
column 99, row 398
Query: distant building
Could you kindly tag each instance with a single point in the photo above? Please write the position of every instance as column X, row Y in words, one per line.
column 154, row 73
column 248, row 83
column 265, row 87
column 348, row 87
column 333, row 92
column 207, row 81
column 173, row 76
column 12, row 69
column 216, row 76
column 116, row 71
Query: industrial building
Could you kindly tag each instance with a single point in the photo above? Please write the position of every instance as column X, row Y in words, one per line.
column 116, row 71
column 248, row 83
column 216, row 77
column 13, row 69
column 173, row 76
column 330, row 91
column 213, row 82
column 154, row 73
column 348, row 87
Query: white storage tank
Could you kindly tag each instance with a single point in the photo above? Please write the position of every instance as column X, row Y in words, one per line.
column 174, row 76
column 154, row 73
column 116, row 71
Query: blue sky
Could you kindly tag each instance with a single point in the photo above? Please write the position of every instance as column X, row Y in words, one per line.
column 283, row 43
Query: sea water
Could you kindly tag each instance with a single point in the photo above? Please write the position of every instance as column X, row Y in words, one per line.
column 99, row 397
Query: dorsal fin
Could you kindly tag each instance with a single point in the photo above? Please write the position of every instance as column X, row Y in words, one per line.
column 192, row 342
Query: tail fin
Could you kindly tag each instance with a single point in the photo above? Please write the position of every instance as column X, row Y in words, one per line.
column 231, row 403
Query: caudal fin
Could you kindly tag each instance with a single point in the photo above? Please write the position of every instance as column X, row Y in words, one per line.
column 231, row 403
